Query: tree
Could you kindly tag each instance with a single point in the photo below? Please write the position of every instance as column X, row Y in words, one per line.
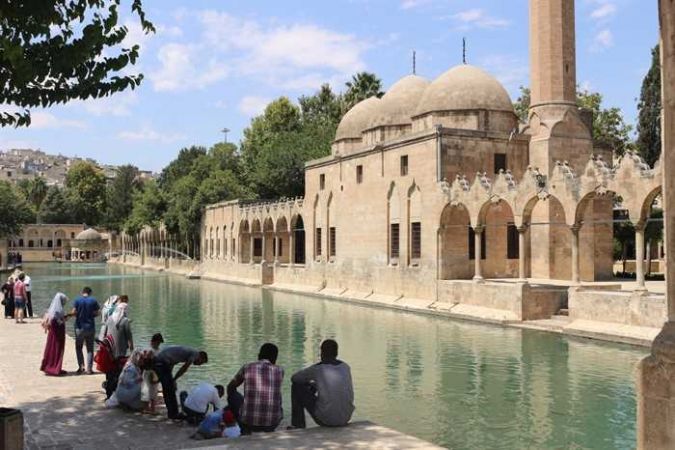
column 362, row 86
column 55, row 207
column 180, row 167
column 609, row 127
column 15, row 211
column 120, row 197
column 324, row 107
column 649, row 112
column 54, row 51
column 86, row 192
column 34, row 189
column 149, row 206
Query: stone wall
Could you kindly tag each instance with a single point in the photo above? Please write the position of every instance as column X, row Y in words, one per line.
column 621, row 307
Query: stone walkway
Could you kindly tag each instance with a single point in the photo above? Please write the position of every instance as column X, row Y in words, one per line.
column 68, row 412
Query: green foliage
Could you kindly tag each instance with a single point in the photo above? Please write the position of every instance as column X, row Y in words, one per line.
column 119, row 197
column 86, row 192
column 53, row 51
column 279, row 142
column 624, row 237
column 649, row 112
column 34, row 190
column 362, row 86
column 180, row 167
column 15, row 210
column 55, row 207
column 148, row 208
column 609, row 127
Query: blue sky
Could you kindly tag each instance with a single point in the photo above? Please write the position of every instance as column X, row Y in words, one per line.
column 215, row 64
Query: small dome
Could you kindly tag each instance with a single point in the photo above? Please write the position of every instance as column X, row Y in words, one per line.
column 464, row 87
column 88, row 235
column 356, row 120
column 398, row 105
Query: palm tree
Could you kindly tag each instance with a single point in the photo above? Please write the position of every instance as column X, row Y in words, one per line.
column 37, row 191
column 362, row 86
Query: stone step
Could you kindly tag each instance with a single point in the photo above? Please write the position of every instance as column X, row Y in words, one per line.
column 560, row 318
column 563, row 312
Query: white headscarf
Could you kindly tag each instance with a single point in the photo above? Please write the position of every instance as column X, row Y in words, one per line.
column 119, row 313
column 55, row 310
column 109, row 307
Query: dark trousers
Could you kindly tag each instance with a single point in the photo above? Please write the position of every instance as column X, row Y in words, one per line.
column 192, row 417
column 234, row 402
column 28, row 309
column 303, row 397
column 165, row 375
column 112, row 377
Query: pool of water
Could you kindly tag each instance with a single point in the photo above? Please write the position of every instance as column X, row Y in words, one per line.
column 457, row 384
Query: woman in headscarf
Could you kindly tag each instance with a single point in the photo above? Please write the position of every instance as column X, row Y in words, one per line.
column 118, row 327
column 54, row 323
column 106, row 311
column 8, row 301
column 128, row 391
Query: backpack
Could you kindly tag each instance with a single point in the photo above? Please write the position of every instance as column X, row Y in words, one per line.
column 104, row 359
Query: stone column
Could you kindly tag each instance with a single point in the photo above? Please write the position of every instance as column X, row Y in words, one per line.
column 276, row 250
column 291, row 249
column 522, row 274
column 576, row 277
column 478, row 270
column 263, row 258
column 656, row 373
column 640, row 257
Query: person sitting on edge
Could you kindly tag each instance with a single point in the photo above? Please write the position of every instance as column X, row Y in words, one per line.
column 155, row 341
column 165, row 360
column 325, row 390
column 85, row 310
column 196, row 404
column 259, row 409
column 217, row 424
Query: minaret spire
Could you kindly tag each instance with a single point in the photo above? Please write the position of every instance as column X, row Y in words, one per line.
column 463, row 50
column 414, row 62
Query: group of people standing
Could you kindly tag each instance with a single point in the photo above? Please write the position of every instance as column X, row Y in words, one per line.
column 133, row 375
column 16, row 297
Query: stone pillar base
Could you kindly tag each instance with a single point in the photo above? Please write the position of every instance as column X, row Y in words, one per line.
column 656, row 393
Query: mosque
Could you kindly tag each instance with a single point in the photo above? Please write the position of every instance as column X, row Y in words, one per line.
column 435, row 196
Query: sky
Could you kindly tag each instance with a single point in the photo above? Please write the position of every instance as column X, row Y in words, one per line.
column 216, row 64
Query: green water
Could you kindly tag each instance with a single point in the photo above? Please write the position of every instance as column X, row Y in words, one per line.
column 457, row 384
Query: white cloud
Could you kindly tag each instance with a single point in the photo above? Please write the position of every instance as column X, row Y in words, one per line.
column 44, row 119
column 411, row 4
column 478, row 18
column 603, row 40
column 119, row 104
column 146, row 133
column 182, row 69
column 293, row 56
column 603, row 11
column 253, row 105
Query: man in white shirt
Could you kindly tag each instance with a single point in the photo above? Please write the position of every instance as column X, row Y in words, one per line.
column 28, row 309
column 196, row 403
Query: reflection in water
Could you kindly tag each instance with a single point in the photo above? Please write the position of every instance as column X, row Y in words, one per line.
column 458, row 384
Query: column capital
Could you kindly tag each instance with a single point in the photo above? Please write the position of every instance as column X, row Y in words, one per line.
column 479, row 228
column 523, row 228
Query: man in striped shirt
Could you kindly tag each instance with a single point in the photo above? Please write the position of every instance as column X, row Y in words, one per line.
column 259, row 409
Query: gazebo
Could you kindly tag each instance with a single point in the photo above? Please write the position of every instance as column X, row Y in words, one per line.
column 87, row 246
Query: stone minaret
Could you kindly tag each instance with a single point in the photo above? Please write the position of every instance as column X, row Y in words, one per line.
column 560, row 132
column 556, row 125
column 553, row 75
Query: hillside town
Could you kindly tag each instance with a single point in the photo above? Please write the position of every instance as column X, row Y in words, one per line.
column 25, row 164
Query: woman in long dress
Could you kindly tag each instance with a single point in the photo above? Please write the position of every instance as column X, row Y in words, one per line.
column 128, row 393
column 8, row 293
column 54, row 324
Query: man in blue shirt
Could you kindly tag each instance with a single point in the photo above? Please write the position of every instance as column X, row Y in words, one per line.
column 85, row 310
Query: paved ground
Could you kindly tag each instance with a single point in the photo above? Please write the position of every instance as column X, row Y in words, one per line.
column 68, row 412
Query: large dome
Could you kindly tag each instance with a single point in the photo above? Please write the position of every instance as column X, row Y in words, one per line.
column 398, row 105
column 356, row 120
column 88, row 235
column 464, row 87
